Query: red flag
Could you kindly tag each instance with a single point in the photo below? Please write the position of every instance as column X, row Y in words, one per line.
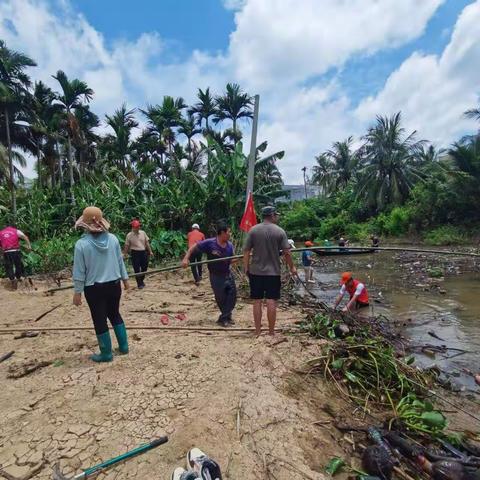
column 249, row 218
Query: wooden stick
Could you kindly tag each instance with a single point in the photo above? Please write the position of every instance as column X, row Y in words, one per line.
column 137, row 327
column 6, row 356
column 47, row 312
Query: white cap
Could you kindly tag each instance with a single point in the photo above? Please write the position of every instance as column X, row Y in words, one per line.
column 291, row 242
column 196, row 225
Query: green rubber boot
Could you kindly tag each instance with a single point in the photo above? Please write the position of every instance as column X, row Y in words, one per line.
column 121, row 334
column 105, row 344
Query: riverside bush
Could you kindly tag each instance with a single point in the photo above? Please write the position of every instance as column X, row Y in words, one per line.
column 444, row 235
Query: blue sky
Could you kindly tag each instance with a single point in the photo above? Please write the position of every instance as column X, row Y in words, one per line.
column 185, row 24
column 324, row 69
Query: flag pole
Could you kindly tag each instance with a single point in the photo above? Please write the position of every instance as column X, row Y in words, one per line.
column 253, row 149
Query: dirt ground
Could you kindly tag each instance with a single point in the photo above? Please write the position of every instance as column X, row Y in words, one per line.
column 238, row 398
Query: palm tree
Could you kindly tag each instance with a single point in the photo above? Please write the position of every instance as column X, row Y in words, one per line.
column 233, row 105
column 40, row 115
column 17, row 158
column 391, row 163
column 162, row 119
column 473, row 113
column 85, row 139
column 74, row 93
column 119, row 146
column 204, row 108
column 336, row 167
column 14, row 84
column 189, row 129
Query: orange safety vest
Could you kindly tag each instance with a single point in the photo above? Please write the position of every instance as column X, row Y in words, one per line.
column 363, row 297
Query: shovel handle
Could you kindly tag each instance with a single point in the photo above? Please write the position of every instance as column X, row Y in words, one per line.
column 132, row 453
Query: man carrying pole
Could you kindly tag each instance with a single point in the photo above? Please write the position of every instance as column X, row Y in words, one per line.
column 221, row 278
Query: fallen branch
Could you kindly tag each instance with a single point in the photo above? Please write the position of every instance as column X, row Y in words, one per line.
column 47, row 312
column 6, row 356
column 26, row 369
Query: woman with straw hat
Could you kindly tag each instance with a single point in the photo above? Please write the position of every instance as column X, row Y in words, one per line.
column 98, row 268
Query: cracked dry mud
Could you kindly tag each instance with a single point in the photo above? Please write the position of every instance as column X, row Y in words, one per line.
column 233, row 396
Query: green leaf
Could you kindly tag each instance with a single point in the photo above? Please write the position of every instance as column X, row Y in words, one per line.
column 352, row 377
column 410, row 360
column 338, row 363
column 434, row 420
column 334, row 465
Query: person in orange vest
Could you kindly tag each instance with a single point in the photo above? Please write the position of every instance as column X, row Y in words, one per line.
column 355, row 289
column 193, row 237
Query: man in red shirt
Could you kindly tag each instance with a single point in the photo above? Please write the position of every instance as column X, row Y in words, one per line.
column 193, row 237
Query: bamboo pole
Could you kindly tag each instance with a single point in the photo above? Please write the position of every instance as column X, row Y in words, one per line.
column 6, row 331
column 329, row 249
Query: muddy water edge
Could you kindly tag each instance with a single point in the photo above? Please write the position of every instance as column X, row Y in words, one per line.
column 433, row 299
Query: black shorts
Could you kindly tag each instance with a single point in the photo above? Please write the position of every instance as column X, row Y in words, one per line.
column 265, row 286
column 359, row 305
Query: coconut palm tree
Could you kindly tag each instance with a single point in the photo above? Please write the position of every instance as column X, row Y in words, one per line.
column 14, row 84
column 204, row 108
column 73, row 95
column 233, row 105
column 390, row 159
column 336, row 167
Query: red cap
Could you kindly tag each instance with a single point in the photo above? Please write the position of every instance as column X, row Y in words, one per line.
column 346, row 276
column 308, row 243
column 135, row 223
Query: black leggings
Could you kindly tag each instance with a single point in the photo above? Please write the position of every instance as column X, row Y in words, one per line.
column 196, row 269
column 139, row 260
column 104, row 302
column 13, row 259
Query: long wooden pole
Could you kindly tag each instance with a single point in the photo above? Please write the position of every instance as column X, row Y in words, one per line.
column 5, row 331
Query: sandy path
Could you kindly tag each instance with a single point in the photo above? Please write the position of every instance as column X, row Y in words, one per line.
column 190, row 386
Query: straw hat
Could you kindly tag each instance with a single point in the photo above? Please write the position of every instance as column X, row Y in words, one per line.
column 92, row 220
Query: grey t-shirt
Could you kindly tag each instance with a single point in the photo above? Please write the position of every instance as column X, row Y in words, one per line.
column 266, row 240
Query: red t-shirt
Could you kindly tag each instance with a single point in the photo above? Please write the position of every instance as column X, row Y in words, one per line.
column 194, row 237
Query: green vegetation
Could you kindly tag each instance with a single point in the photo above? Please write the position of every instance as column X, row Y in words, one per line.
column 392, row 185
column 187, row 165
column 178, row 170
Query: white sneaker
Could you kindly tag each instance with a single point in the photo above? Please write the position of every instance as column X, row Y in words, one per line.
column 202, row 465
column 193, row 457
column 182, row 474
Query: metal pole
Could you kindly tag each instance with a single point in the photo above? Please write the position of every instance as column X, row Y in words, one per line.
column 10, row 167
column 304, row 169
column 253, row 149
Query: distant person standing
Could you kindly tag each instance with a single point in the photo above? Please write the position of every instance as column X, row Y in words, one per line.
column 221, row 278
column 10, row 245
column 264, row 241
column 193, row 237
column 138, row 245
column 307, row 262
column 97, row 270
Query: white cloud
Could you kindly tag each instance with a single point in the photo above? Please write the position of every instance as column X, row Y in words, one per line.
column 288, row 40
column 277, row 48
column 433, row 91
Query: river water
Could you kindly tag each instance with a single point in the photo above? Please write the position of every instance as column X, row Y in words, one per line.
column 450, row 310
